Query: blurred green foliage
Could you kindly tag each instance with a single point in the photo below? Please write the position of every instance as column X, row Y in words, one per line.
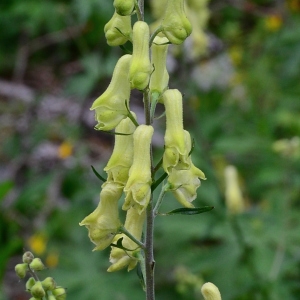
column 251, row 122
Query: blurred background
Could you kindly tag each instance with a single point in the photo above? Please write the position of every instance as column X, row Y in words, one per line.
column 240, row 76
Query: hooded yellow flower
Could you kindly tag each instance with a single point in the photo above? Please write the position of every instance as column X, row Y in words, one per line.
column 120, row 258
column 103, row 223
column 138, row 187
column 120, row 161
column 175, row 24
column 117, row 30
column 184, row 183
column 176, row 150
column 110, row 106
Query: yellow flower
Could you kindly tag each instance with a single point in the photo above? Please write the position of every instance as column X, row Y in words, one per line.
column 103, row 223
column 120, row 161
column 233, row 194
column 236, row 55
column 138, row 187
column 118, row 257
column 176, row 151
column 184, row 183
column 175, row 24
column 124, row 7
column 273, row 22
column 140, row 68
column 110, row 106
column 117, row 30
column 160, row 77
column 210, row 291
column 38, row 243
column 52, row 260
column 65, row 150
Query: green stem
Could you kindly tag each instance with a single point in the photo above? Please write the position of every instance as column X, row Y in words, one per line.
column 139, row 8
column 126, row 232
column 155, row 33
column 160, row 199
column 149, row 257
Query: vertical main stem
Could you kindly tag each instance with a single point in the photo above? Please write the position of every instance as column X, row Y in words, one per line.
column 149, row 256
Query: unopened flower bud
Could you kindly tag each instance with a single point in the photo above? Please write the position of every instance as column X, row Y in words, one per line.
column 140, row 68
column 30, row 283
column 49, row 284
column 117, row 30
column 124, row 7
column 27, row 257
column 210, row 291
column 51, row 297
column 110, row 107
column 175, row 24
column 37, row 290
column 21, row 270
column 37, row 265
column 60, row 293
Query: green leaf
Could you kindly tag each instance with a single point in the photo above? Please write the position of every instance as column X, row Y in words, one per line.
column 156, row 183
column 120, row 245
column 98, row 175
column 188, row 211
column 5, row 187
column 140, row 275
column 193, row 147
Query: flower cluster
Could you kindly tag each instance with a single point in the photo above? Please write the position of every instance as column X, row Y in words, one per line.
column 129, row 170
column 37, row 288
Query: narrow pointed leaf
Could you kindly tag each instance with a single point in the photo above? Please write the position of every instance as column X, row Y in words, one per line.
column 98, row 175
column 120, row 245
column 156, row 183
column 188, row 211
column 140, row 275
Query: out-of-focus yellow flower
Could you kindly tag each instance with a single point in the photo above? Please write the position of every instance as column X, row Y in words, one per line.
column 210, row 291
column 235, row 53
column 273, row 22
column 38, row 243
column 289, row 148
column 65, row 150
column 52, row 260
column 294, row 5
column 233, row 194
